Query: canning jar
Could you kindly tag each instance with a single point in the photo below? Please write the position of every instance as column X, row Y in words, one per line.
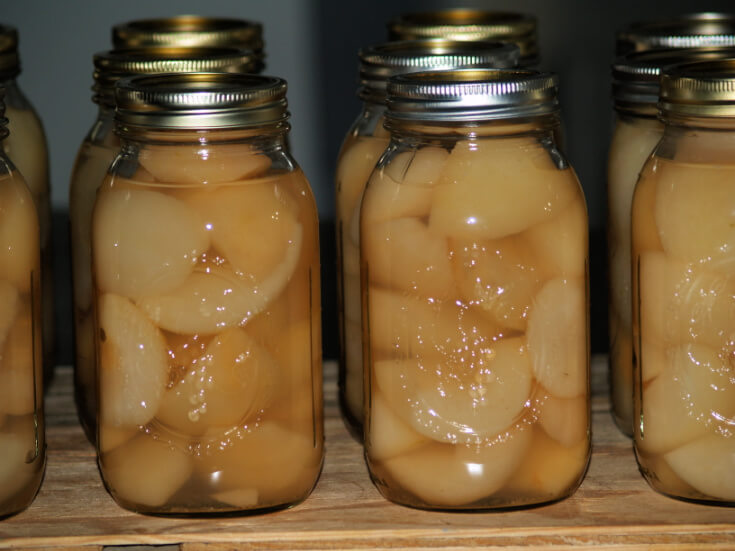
column 684, row 289
column 694, row 30
column 471, row 25
column 473, row 240
column 93, row 160
column 22, row 440
column 363, row 145
column 192, row 31
column 637, row 131
column 26, row 146
column 206, row 280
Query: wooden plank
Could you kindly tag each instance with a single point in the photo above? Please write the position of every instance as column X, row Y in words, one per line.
column 613, row 509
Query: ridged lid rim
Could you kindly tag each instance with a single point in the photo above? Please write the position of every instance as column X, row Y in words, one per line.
column 694, row 30
column 381, row 61
column 200, row 100
column 472, row 94
column 636, row 76
column 112, row 65
column 190, row 31
column 470, row 25
column 701, row 89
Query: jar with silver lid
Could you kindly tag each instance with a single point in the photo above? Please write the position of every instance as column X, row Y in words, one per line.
column 26, row 146
column 637, row 131
column 22, row 438
column 696, row 30
column 192, row 31
column 473, row 241
column 206, row 281
column 683, row 252
column 365, row 142
column 93, row 160
column 471, row 25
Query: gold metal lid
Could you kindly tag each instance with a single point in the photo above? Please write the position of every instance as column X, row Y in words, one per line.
column 466, row 95
column 470, row 25
column 696, row 30
column 112, row 65
column 636, row 76
column 191, row 31
column 9, row 59
column 379, row 63
column 704, row 89
column 193, row 101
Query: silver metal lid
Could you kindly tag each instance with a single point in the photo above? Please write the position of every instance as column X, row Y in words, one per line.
column 472, row 95
column 704, row 89
column 191, row 31
column 695, row 30
column 470, row 25
column 637, row 75
column 200, row 101
column 112, row 65
column 379, row 63
column 9, row 59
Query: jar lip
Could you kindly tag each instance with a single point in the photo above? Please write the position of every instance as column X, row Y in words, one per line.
column 636, row 75
column 381, row 61
column 472, row 95
column 200, row 100
column 112, row 65
column 470, row 25
column 699, row 89
column 693, row 30
column 191, row 31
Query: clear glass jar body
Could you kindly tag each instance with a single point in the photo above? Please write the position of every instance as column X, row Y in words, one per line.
column 206, row 272
column 94, row 158
column 26, row 146
column 22, row 437
column 684, row 312
column 365, row 142
column 633, row 140
column 474, row 276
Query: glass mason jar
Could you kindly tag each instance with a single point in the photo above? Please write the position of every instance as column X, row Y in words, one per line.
column 695, row 30
column 471, row 25
column 22, row 439
column 26, row 146
column 637, row 131
column 365, row 142
column 206, row 272
column 192, row 31
column 684, row 289
column 93, row 160
column 473, row 240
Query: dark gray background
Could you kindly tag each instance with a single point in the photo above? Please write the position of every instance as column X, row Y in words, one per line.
column 313, row 44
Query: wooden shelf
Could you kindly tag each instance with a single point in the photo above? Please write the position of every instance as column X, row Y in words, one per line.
column 614, row 508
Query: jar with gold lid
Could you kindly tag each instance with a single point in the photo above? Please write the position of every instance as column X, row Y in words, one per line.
column 696, row 30
column 26, row 146
column 683, row 247
column 192, row 31
column 471, row 25
column 22, row 438
column 473, row 241
column 365, row 142
column 637, row 131
column 206, row 281
column 93, row 160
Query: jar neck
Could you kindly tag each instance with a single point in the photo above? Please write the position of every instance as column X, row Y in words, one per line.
column 670, row 119
column 543, row 126
column 636, row 110
column 370, row 120
column 262, row 137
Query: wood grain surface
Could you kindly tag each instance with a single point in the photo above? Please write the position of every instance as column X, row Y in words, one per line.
column 613, row 509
